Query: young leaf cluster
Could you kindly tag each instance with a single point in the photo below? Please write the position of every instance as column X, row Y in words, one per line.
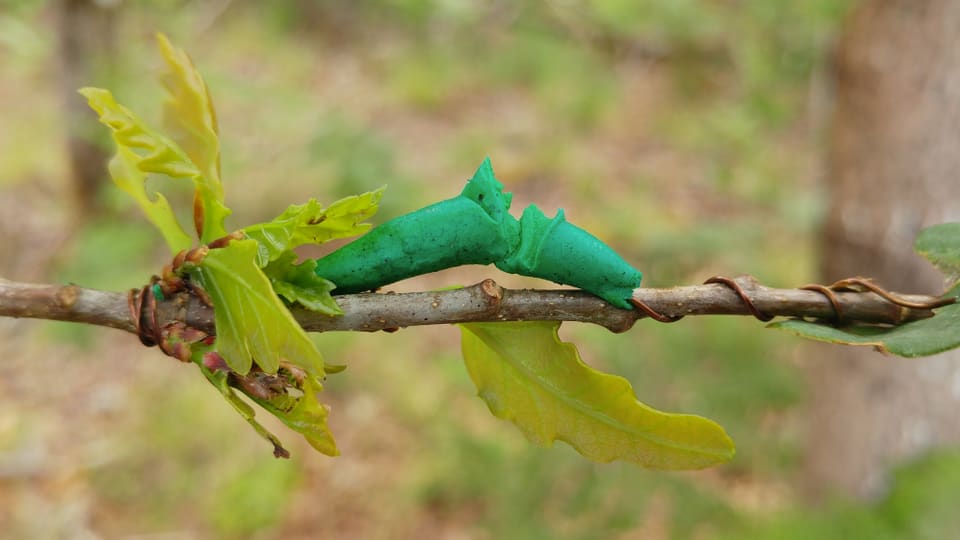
column 259, row 348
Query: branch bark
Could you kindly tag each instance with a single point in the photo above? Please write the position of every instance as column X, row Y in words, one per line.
column 483, row 302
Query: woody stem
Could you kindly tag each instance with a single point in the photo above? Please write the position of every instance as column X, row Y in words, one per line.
column 483, row 302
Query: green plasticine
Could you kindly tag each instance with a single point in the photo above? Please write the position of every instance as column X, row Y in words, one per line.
column 477, row 228
column 559, row 251
column 472, row 228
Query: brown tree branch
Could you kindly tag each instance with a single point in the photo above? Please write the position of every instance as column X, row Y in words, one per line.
column 483, row 302
column 69, row 303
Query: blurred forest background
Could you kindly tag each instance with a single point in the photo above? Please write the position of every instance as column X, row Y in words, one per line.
column 690, row 135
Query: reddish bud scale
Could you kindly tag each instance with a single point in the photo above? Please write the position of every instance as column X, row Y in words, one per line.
column 214, row 362
column 182, row 351
column 225, row 240
column 198, row 213
column 196, row 255
column 178, row 259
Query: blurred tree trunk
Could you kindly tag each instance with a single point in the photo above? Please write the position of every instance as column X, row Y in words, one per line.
column 894, row 168
column 86, row 51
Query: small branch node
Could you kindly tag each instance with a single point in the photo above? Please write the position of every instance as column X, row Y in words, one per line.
column 67, row 296
column 492, row 291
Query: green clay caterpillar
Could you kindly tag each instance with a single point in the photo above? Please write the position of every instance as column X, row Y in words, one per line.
column 476, row 228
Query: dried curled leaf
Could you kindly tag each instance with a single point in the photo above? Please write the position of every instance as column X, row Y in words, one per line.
column 290, row 395
column 219, row 379
column 304, row 414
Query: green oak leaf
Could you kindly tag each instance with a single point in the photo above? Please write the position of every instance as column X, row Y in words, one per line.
column 528, row 376
column 128, row 177
column 252, row 323
column 190, row 117
column 918, row 338
column 310, row 223
column 219, row 380
column 295, row 402
column 188, row 112
column 298, row 283
column 157, row 154
column 305, row 415
column 254, row 327
column 940, row 245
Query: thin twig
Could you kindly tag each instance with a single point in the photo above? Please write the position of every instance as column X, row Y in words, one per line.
column 483, row 302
